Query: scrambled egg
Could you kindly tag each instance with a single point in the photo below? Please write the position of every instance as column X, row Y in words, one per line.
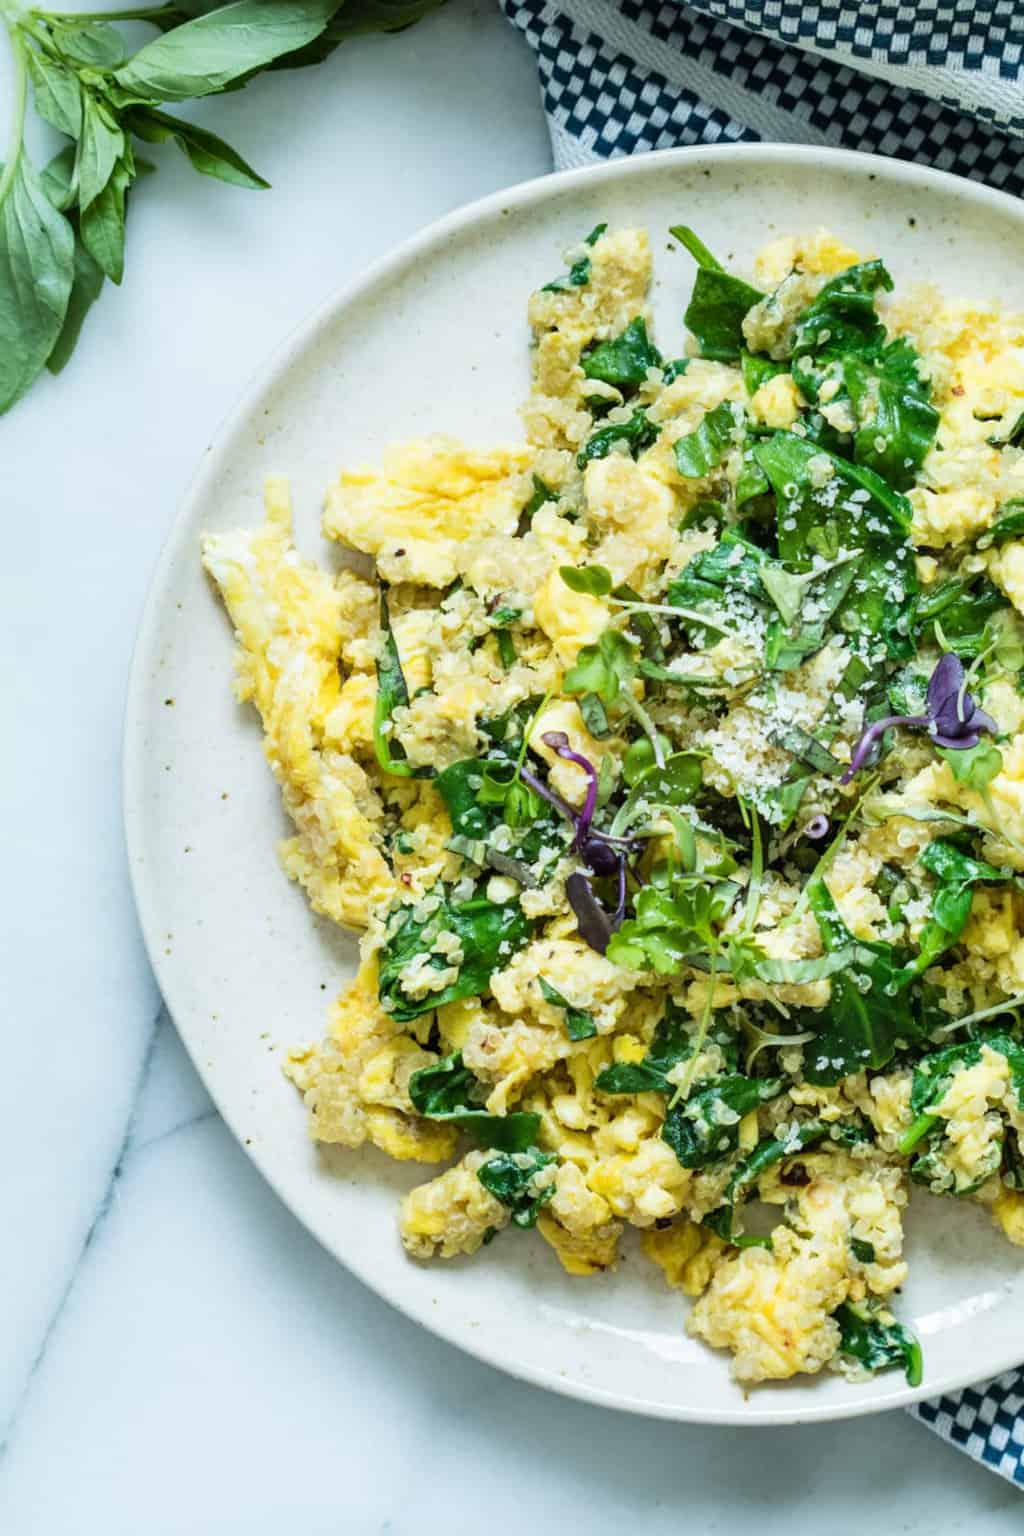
column 609, row 991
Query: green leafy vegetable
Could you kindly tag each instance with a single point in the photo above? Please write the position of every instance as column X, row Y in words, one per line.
column 703, row 450
column 864, row 515
column 488, row 935
column 603, row 669
column 956, row 874
column 876, row 1344
column 578, row 275
column 974, row 766
column 511, row 1177
column 392, row 693
column 758, row 371
column 37, row 267
column 212, row 51
column 542, row 493
column 1008, row 525
column 625, row 360
column 718, row 304
column 934, row 1073
column 594, row 580
column 897, row 423
column 705, row 1128
column 579, row 1024
column 670, row 1045
column 637, row 433
column 449, row 1092
column 868, row 1015
column 61, row 233
column 843, row 317
column 206, row 152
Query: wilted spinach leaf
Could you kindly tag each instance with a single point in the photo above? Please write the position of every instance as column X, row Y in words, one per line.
column 579, row 1024
column 705, row 1128
column 867, row 1015
column 637, row 433
column 489, row 935
column 877, row 1345
column 701, row 451
column 624, row 360
column 449, row 1091
column 510, row 1176
column 578, row 275
column 718, row 303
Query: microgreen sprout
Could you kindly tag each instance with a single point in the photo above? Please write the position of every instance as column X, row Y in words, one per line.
column 951, row 717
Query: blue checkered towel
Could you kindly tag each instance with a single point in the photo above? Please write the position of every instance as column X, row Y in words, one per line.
column 941, row 81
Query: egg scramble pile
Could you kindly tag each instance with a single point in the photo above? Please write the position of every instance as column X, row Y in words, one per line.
column 672, row 765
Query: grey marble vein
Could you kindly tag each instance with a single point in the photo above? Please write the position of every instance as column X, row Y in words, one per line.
column 102, row 1207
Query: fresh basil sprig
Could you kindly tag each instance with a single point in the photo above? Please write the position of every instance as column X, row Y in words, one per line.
column 62, row 230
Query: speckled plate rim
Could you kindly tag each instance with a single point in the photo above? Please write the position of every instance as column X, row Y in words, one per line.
column 760, row 1409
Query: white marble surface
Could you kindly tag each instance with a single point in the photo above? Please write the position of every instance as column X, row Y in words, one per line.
column 176, row 1354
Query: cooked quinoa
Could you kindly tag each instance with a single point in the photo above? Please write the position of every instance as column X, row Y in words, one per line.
column 672, row 768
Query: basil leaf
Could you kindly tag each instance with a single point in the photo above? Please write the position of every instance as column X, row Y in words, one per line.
column 36, row 273
column 101, row 225
column 445, row 1092
column 207, row 54
column 99, row 149
column 85, row 289
column 95, row 43
column 56, row 93
column 579, row 1024
column 57, row 178
column 207, row 153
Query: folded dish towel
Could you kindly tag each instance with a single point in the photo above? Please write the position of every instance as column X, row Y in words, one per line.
column 928, row 80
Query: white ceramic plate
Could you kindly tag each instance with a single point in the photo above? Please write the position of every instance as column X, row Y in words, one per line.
column 435, row 339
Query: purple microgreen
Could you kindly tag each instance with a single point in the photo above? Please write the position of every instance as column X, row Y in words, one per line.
column 951, row 718
column 595, row 925
column 599, row 855
column 505, row 864
column 540, row 788
column 558, row 741
column 620, row 907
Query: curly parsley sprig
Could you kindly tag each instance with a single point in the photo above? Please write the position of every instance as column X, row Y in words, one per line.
column 62, row 230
